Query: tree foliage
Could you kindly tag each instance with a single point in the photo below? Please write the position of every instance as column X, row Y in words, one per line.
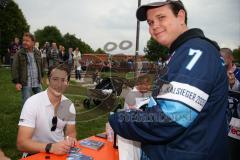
column 12, row 24
column 48, row 34
column 84, row 47
column 100, row 51
column 52, row 34
column 70, row 41
column 236, row 55
column 154, row 50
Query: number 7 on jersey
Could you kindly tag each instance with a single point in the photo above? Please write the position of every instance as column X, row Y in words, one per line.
column 196, row 55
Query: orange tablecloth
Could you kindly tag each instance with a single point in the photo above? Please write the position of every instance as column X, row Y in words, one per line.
column 107, row 152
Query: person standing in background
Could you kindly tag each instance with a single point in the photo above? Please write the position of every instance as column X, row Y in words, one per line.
column 63, row 55
column 70, row 59
column 36, row 45
column 77, row 64
column 53, row 56
column 27, row 69
column 44, row 54
column 13, row 48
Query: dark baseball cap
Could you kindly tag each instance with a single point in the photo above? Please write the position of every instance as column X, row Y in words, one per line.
column 142, row 10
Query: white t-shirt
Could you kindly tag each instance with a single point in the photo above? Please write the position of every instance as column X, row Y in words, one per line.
column 38, row 112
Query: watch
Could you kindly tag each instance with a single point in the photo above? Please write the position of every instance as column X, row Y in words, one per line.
column 48, row 147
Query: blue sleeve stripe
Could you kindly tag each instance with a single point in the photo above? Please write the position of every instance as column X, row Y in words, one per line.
column 151, row 102
column 178, row 112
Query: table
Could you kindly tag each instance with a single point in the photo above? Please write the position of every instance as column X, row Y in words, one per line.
column 107, row 152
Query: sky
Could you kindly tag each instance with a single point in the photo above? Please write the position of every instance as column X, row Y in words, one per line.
column 100, row 21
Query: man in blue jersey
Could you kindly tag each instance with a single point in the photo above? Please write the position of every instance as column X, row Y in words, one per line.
column 186, row 119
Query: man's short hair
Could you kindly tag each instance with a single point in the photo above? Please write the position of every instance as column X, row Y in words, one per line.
column 62, row 67
column 31, row 36
column 175, row 6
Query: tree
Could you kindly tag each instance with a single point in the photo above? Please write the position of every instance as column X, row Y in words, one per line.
column 85, row 48
column 236, row 55
column 70, row 40
column 100, row 51
column 154, row 50
column 53, row 34
column 12, row 24
column 49, row 34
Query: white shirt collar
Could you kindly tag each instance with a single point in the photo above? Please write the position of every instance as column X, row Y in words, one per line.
column 46, row 100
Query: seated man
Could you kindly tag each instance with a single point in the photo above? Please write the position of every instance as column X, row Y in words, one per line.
column 46, row 118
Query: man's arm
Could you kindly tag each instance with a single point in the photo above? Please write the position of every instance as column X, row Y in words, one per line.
column 71, row 134
column 145, row 126
column 71, row 130
column 26, row 144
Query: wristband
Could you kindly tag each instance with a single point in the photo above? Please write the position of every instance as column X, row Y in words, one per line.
column 48, row 147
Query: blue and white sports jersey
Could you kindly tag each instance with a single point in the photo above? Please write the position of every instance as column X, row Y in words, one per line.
column 188, row 121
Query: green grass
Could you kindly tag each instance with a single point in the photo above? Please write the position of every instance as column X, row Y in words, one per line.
column 10, row 108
